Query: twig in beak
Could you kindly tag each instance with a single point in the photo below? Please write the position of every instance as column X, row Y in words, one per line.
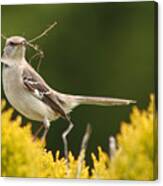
column 3, row 37
column 39, row 53
column 43, row 33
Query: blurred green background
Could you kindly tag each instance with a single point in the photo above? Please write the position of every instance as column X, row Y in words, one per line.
column 100, row 49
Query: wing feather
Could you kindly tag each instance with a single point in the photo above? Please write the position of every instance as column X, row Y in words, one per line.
column 37, row 86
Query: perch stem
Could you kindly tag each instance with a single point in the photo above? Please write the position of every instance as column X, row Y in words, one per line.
column 37, row 132
column 65, row 142
column 84, row 145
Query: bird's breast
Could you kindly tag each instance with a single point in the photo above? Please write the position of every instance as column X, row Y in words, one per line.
column 21, row 99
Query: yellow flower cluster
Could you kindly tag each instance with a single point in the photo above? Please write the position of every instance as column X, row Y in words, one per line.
column 22, row 157
column 135, row 157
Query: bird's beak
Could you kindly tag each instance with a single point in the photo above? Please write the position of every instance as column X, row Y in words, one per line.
column 24, row 43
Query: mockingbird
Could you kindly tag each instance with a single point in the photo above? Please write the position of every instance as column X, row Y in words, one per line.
column 29, row 94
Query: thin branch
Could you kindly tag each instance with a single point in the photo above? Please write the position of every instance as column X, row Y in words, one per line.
column 39, row 53
column 83, row 149
column 39, row 60
column 36, row 48
column 33, row 57
column 65, row 142
column 43, row 33
column 39, row 63
column 3, row 37
column 112, row 146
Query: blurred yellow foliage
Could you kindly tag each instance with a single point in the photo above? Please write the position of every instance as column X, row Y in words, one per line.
column 135, row 157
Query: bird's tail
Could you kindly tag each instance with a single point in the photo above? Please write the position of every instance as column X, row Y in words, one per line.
column 102, row 101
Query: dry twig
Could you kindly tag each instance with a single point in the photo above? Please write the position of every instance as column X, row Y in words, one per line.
column 83, row 149
column 39, row 52
column 3, row 37
column 43, row 33
column 65, row 142
column 112, row 146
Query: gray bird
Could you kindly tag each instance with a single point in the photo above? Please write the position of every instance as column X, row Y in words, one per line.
column 29, row 94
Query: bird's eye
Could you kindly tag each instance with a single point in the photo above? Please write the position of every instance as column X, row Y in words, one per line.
column 12, row 43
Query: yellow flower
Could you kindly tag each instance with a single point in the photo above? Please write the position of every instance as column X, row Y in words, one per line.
column 24, row 158
column 135, row 158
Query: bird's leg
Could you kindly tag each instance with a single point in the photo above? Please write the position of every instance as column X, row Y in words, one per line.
column 37, row 132
column 64, row 137
column 46, row 125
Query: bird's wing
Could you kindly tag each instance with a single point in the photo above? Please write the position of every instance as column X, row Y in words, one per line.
column 38, row 88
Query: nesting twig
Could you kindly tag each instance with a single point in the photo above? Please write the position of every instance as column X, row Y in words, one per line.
column 44, row 32
column 3, row 37
column 83, row 149
column 29, row 43
column 39, row 53
column 39, row 60
column 34, row 56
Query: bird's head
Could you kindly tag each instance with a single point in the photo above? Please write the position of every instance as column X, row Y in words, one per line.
column 14, row 49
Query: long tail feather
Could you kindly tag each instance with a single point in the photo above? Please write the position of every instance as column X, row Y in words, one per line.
column 103, row 101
